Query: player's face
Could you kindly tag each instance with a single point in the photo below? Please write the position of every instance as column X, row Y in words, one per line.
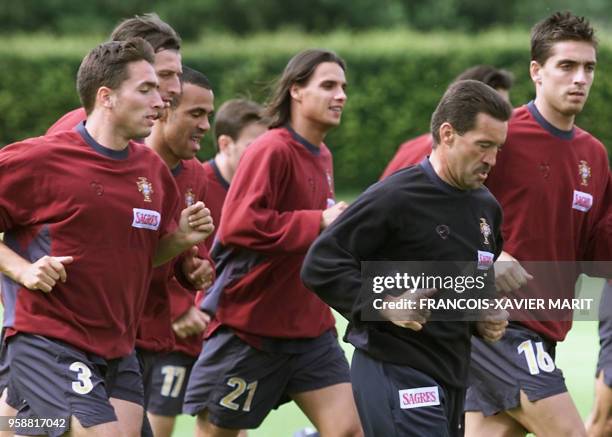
column 564, row 81
column 235, row 149
column 322, row 98
column 137, row 103
column 186, row 124
column 168, row 69
column 472, row 155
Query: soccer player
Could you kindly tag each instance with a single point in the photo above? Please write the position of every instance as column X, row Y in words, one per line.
column 271, row 340
column 237, row 123
column 86, row 215
column 407, row 214
column 552, row 181
column 166, row 44
column 176, row 138
column 413, row 151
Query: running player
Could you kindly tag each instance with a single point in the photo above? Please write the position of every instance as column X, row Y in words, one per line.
column 272, row 340
column 552, row 181
column 176, row 139
column 408, row 376
column 86, row 214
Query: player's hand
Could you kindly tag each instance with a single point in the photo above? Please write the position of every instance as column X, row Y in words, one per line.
column 192, row 322
column 197, row 270
column 493, row 326
column 196, row 223
column 44, row 273
column 410, row 318
column 331, row 214
column 509, row 273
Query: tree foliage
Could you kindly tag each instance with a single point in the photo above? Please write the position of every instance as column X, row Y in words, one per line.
column 195, row 17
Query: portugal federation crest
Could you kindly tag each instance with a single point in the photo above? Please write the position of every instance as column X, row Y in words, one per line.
column 189, row 197
column 145, row 187
column 584, row 171
column 485, row 230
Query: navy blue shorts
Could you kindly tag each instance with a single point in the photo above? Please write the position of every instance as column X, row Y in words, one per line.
column 12, row 398
column 395, row 400
column 239, row 385
column 604, row 361
column 521, row 360
column 165, row 379
column 56, row 380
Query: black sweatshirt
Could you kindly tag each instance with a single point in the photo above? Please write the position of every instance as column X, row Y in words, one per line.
column 412, row 215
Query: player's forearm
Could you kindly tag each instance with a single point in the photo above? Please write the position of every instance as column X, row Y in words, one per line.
column 11, row 264
column 170, row 246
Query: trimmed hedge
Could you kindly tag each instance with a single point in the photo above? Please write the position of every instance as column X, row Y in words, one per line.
column 395, row 81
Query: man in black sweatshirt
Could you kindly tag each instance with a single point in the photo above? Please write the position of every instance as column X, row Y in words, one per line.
column 409, row 376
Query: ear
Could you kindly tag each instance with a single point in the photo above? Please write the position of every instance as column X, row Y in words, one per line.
column 296, row 92
column 224, row 142
column 105, row 97
column 535, row 71
column 447, row 134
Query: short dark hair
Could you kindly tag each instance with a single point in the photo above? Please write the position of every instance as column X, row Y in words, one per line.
column 107, row 65
column 560, row 26
column 234, row 115
column 494, row 77
column 298, row 71
column 461, row 104
column 151, row 28
column 193, row 77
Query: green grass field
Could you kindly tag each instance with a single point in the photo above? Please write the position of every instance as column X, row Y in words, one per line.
column 576, row 356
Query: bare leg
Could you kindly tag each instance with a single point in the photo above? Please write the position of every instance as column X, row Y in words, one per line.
column 332, row 410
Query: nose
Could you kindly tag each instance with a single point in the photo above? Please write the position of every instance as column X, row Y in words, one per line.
column 204, row 124
column 580, row 77
column 157, row 101
column 341, row 94
column 171, row 87
column 490, row 157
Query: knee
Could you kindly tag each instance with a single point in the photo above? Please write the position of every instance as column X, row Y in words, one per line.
column 352, row 429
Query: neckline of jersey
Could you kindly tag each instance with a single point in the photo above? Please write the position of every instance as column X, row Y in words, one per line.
column 224, row 183
column 99, row 148
column 303, row 141
column 441, row 183
column 539, row 118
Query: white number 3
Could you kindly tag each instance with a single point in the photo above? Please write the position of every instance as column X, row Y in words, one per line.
column 84, row 384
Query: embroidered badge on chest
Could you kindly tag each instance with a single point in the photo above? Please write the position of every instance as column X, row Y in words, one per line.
column 485, row 230
column 584, row 171
column 189, row 197
column 145, row 187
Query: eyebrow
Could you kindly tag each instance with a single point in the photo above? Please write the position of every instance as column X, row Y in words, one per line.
column 574, row 61
column 149, row 84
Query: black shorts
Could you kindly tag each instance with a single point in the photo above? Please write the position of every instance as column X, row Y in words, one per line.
column 397, row 401
column 521, row 360
column 239, row 384
column 12, row 397
column 165, row 379
column 56, row 380
column 604, row 361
